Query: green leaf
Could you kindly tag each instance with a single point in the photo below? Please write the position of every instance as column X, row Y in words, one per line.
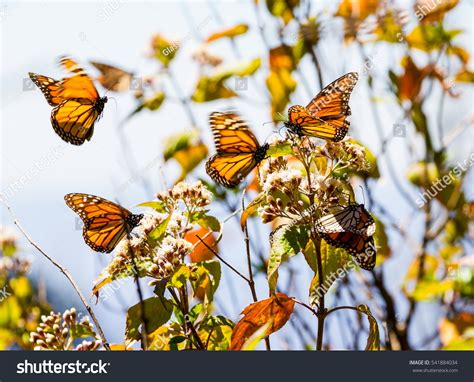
column 79, row 330
column 180, row 277
column 157, row 312
column 213, row 268
column 421, row 124
column 285, row 241
column 173, row 342
column 179, row 141
column 280, row 149
column 373, row 341
column 206, row 221
column 157, row 234
column 158, row 206
column 429, row 37
column 336, row 263
column 210, row 88
column 153, row 103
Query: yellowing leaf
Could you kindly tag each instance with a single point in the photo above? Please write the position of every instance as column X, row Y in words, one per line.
column 430, row 37
column 429, row 10
column 336, row 263
column 21, row 287
column 153, row 103
column 359, row 9
column 282, row 8
column 251, row 208
column 280, row 84
column 187, row 149
column 163, row 49
column 465, row 75
column 275, row 311
column 255, row 338
column 212, row 87
column 373, row 341
column 232, row 32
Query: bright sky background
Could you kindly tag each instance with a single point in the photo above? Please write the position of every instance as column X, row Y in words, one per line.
column 34, row 34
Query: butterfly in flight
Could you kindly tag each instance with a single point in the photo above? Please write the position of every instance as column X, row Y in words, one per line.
column 351, row 228
column 113, row 78
column 75, row 100
column 105, row 223
column 326, row 115
column 238, row 151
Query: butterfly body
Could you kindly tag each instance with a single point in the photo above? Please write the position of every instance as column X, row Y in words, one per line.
column 238, row 151
column 351, row 228
column 105, row 222
column 75, row 100
column 326, row 115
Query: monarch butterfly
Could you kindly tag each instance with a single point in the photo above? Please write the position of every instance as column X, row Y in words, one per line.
column 77, row 104
column 113, row 78
column 325, row 116
column 352, row 229
column 105, row 223
column 238, row 151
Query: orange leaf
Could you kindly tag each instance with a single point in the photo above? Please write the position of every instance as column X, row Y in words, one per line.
column 201, row 252
column 275, row 310
column 229, row 32
column 359, row 10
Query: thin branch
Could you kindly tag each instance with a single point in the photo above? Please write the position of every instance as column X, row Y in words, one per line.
column 65, row 272
column 249, row 264
column 221, row 259
column 140, row 296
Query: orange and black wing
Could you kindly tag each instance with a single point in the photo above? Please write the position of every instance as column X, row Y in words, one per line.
column 73, row 119
column 105, row 223
column 79, row 85
column 326, row 115
column 113, row 78
column 51, row 88
column 353, row 218
column 360, row 246
column 238, row 151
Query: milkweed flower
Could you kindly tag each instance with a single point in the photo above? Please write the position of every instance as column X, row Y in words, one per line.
column 192, row 194
column 169, row 257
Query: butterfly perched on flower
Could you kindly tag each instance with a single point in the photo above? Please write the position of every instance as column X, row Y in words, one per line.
column 326, row 115
column 238, row 151
column 105, row 223
column 113, row 78
column 77, row 104
column 351, row 228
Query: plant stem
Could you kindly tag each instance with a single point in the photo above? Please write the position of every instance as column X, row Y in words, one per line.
column 66, row 273
column 143, row 318
column 249, row 264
